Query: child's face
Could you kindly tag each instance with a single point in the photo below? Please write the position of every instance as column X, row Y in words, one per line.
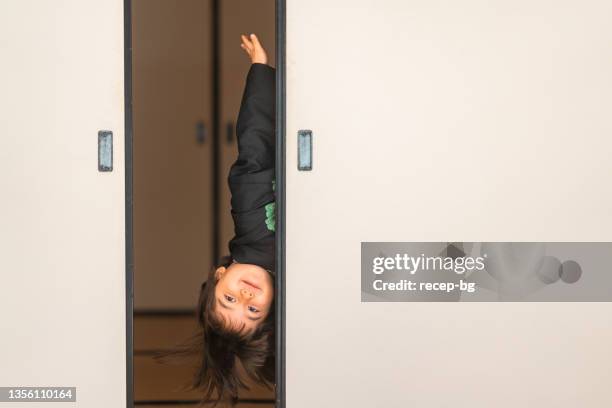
column 243, row 294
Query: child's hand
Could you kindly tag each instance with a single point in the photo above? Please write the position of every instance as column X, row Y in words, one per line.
column 254, row 49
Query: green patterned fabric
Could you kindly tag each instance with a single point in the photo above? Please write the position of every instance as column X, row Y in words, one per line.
column 270, row 216
column 271, row 212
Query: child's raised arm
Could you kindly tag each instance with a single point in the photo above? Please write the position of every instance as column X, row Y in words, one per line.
column 251, row 177
column 255, row 124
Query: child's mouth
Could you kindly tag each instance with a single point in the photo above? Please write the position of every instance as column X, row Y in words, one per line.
column 251, row 285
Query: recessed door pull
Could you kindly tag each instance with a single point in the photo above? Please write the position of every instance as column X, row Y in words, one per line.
column 105, row 150
column 304, row 149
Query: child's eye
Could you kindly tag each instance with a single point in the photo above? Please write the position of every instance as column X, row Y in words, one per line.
column 253, row 309
column 230, row 298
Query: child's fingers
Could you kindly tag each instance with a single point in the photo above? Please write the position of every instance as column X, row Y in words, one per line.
column 247, row 42
column 255, row 41
column 250, row 52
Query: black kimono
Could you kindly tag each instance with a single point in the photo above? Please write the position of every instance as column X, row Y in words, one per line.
column 251, row 177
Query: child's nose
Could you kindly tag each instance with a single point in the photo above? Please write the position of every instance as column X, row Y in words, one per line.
column 246, row 293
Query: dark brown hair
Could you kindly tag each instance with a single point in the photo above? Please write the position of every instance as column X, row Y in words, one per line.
column 225, row 357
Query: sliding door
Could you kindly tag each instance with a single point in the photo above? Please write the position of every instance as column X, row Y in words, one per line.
column 444, row 122
column 63, row 209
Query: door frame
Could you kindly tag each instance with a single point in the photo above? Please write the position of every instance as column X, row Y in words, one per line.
column 129, row 231
column 280, row 39
column 280, row 199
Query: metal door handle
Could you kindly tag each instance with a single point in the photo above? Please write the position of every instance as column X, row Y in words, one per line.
column 105, row 150
column 304, row 149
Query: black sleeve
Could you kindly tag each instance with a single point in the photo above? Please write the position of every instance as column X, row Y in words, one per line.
column 251, row 177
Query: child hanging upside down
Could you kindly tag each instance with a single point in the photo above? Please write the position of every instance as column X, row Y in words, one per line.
column 235, row 307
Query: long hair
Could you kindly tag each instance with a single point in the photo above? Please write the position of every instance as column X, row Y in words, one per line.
column 225, row 357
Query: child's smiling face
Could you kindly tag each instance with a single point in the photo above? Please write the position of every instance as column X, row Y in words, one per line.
column 243, row 294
